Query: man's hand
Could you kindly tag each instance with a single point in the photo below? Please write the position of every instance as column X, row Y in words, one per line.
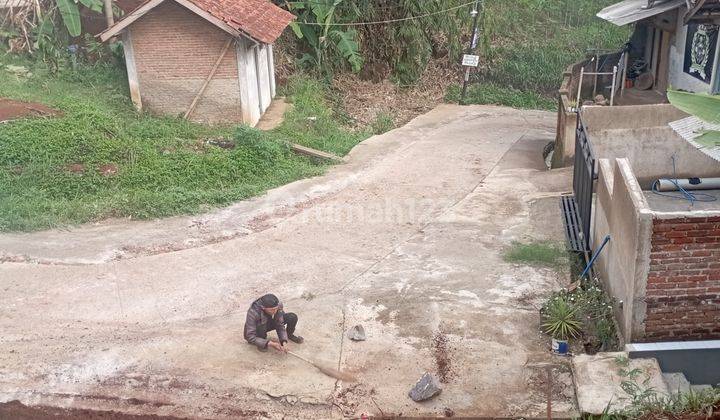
column 277, row 346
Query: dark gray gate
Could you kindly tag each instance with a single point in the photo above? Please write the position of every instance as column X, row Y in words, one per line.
column 583, row 180
column 577, row 208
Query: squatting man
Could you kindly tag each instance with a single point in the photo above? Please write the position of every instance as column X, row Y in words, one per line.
column 266, row 314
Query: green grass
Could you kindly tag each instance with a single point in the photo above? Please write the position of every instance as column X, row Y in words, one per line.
column 543, row 253
column 527, row 44
column 164, row 166
column 492, row 94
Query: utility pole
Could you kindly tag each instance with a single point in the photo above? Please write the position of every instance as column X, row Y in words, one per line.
column 475, row 13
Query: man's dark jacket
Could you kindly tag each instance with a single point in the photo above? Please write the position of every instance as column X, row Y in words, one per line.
column 256, row 317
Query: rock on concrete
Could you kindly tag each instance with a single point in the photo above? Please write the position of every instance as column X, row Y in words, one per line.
column 676, row 382
column 426, row 388
column 357, row 333
column 599, row 378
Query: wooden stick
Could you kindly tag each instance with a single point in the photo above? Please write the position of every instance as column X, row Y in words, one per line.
column 307, row 151
column 208, row 79
column 333, row 373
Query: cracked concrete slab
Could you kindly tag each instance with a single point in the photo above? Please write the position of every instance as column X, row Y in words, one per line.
column 406, row 238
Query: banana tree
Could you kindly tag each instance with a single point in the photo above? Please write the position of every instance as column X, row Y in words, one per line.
column 70, row 13
column 704, row 106
column 315, row 25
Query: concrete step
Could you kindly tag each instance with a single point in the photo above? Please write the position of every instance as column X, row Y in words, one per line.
column 599, row 380
column 676, row 382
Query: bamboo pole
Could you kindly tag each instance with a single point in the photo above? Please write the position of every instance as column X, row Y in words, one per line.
column 208, row 79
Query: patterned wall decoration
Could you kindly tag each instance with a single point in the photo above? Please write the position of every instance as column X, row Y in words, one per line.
column 701, row 50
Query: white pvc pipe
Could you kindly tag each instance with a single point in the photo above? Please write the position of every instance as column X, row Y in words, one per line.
column 689, row 184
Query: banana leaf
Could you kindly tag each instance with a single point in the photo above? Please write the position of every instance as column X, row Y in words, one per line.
column 70, row 16
column 706, row 107
column 709, row 139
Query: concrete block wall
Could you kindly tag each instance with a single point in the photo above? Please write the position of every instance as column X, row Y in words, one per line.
column 175, row 51
column 683, row 285
column 622, row 212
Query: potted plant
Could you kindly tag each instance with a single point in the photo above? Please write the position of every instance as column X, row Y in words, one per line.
column 561, row 323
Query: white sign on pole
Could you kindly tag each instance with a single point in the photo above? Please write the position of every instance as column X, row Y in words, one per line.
column 471, row 60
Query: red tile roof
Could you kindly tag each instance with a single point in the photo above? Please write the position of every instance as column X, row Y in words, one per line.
column 260, row 19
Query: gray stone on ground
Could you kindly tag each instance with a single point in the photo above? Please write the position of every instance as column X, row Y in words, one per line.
column 676, row 382
column 357, row 333
column 426, row 388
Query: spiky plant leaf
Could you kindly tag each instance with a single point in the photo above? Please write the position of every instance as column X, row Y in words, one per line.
column 561, row 320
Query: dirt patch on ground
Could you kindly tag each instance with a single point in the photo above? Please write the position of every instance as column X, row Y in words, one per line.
column 442, row 357
column 10, row 109
column 363, row 100
column 18, row 411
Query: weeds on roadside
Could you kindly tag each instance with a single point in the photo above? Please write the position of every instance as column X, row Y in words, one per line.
column 383, row 123
column 100, row 158
column 541, row 253
column 493, row 94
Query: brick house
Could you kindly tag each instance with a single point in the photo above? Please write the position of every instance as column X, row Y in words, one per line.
column 659, row 248
column 207, row 60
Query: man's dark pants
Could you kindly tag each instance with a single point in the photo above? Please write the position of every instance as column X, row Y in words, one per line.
column 290, row 322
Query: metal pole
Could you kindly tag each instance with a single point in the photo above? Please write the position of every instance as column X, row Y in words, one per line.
column 597, row 69
column 612, row 89
column 580, row 82
column 473, row 43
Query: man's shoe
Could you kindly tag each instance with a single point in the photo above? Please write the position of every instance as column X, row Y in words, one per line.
column 296, row 339
column 262, row 349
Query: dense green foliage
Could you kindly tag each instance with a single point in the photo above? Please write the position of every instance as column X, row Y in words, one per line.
column 51, row 169
column 402, row 48
column 527, row 44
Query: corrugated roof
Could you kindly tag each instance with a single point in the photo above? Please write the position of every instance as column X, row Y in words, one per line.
column 260, row 20
column 691, row 128
column 630, row 11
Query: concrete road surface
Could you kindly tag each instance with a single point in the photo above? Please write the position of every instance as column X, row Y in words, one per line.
column 406, row 238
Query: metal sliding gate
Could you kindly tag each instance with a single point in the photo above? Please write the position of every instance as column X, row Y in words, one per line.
column 577, row 209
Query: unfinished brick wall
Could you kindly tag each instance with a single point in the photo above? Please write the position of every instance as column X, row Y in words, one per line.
column 175, row 50
column 683, row 287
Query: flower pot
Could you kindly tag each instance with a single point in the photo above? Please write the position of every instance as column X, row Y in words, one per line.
column 560, row 346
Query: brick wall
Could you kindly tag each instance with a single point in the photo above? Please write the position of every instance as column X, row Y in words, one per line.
column 175, row 50
column 683, row 287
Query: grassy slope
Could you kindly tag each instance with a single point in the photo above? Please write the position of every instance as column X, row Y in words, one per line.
column 164, row 166
column 527, row 44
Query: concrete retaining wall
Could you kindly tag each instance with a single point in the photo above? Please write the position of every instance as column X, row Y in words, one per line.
column 624, row 214
column 650, row 151
column 598, row 118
